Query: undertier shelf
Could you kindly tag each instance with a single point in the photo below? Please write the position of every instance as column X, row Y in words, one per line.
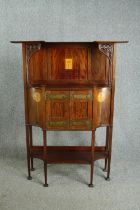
column 68, row 154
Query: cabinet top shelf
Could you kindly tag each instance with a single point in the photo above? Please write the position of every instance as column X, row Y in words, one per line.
column 98, row 42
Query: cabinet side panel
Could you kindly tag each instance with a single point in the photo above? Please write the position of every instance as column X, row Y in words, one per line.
column 25, row 82
column 36, row 64
column 100, row 67
column 113, row 84
column 35, row 106
column 101, row 106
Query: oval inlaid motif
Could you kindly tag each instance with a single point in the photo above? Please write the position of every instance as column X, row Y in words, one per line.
column 36, row 97
column 101, row 97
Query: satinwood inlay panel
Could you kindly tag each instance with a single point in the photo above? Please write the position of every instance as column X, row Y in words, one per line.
column 79, row 63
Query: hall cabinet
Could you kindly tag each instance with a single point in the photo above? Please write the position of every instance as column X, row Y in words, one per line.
column 69, row 86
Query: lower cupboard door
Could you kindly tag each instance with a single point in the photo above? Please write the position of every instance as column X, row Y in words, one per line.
column 57, row 110
column 81, row 110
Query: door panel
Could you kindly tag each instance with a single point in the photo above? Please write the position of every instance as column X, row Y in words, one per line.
column 57, row 109
column 81, row 109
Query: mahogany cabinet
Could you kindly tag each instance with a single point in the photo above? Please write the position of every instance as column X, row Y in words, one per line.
column 69, row 86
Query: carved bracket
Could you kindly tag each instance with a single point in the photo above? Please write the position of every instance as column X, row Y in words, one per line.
column 31, row 49
column 106, row 49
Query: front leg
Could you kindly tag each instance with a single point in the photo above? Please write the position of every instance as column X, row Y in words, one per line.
column 92, row 158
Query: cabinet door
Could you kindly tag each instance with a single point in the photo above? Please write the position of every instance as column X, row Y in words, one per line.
column 57, row 109
column 81, row 109
column 35, row 106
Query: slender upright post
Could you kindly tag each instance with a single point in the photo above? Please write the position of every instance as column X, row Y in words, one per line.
column 110, row 150
column 31, row 144
column 110, row 128
column 92, row 158
column 28, row 152
column 45, row 156
column 106, row 148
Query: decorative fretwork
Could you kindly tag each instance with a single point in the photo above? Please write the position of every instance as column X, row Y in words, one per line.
column 31, row 49
column 106, row 49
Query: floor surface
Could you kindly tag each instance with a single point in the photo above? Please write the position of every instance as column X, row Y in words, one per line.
column 68, row 187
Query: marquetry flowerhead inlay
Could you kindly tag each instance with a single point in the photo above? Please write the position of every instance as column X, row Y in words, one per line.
column 101, row 97
column 36, row 97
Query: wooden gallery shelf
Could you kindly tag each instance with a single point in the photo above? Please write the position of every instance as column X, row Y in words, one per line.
column 68, row 154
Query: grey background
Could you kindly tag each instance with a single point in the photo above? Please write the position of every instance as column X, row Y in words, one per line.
column 65, row 20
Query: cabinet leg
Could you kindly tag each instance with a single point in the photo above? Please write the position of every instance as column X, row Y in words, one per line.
column 108, row 171
column 28, row 153
column 110, row 149
column 45, row 156
column 92, row 159
column 107, row 147
column 31, row 144
column 45, row 174
column 32, row 165
column 105, row 168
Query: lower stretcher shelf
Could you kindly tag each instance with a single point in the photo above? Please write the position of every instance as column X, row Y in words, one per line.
column 68, row 154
